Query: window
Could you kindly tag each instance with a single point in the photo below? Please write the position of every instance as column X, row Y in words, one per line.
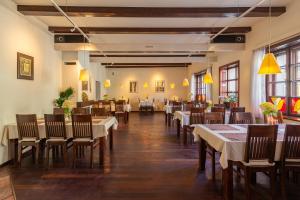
column 229, row 80
column 284, row 89
column 132, row 87
column 200, row 86
column 160, row 86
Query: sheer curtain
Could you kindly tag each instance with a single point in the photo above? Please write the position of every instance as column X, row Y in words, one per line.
column 193, row 87
column 258, row 83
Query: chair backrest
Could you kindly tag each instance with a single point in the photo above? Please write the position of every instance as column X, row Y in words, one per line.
column 291, row 143
column 82, row 126
column 95, row 105
column 81, row 111
column 58, row 111
column 99, row 112
column 121, row 102
column 106, row 105
column 234, row 110
column 176, row 108
column 196, row 116
column 27, row 126
column 119, row 107
column 55, row 126
column 242, row 118
column 220, row 110
column 213, row 118
column 219, row 105
column 261, row 142
column 187, row 106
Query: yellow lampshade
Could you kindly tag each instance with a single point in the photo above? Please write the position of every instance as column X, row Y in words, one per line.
column 208, row 79
column 269, row 65
column 107, row 83
column 185, row 83
column 172, row 85
column 145, row 85
column 84, row 75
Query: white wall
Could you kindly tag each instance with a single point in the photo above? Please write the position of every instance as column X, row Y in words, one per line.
column 22, row 34
column 120, row 79
column 282, row 27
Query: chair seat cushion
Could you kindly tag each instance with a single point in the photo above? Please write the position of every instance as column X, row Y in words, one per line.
column 56, row 140
column 258, row 163
column 29, row 139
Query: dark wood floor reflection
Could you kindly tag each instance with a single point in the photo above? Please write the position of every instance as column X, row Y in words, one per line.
column 147, row 163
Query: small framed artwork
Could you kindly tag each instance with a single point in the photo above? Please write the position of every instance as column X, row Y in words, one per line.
column 132, row 87
column 25, row 67
column 160, row 86
column 85, row 85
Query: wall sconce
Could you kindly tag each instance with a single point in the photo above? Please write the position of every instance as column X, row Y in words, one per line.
column 107, row 83
column 185, row 82
column 172, row 85
column 84, row 75
column 145, row 85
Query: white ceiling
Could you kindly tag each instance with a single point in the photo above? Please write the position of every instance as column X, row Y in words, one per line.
column 159, row 42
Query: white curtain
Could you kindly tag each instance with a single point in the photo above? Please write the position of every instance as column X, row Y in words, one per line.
column 209, row 87
column 258, row 83
column 193, row 87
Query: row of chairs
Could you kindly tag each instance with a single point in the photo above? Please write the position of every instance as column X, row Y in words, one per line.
column 55, row 128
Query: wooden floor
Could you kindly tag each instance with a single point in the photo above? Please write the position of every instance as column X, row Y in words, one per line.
column 147, row 163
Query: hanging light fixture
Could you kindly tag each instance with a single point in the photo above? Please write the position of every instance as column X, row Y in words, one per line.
column 84, row 75
column 208, row 78
column 145, row 85
column 185, row 82
column 107, row 83
column 172, row 85
column 269, row 64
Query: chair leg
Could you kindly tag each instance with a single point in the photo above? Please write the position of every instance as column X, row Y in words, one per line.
column 92, row 156
column 248, row 183
column 64, row 146
column 74, row 155
column 273, row 182
column 19, row 154
column 282, row 183
column 213, row 164
column 47, row 155
column 37, row 151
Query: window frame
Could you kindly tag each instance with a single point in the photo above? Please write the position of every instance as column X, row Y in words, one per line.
column 235, row 64
column 199, row 76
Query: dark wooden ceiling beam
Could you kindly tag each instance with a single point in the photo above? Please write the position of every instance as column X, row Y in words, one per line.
column 144, row 55
column 83, row 11
column 144, row 66
column 146, row 30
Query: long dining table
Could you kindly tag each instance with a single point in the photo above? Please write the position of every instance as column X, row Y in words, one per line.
column 182, row 119
column 230, row 141
column 102, row 130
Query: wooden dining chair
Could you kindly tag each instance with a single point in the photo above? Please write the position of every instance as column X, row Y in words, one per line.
column 196, row 117
column 290, row 154
column 213, row 118
column 242, row 118
column 28, row 133
column 58, row 111
column 82, row 136
column 99, row 112
column 219, row 110
column 55, row 135
column 120, row 112
column 219, row 105
column 107, row 106
column 80, row 111
column 176, row 106
column 234, row 110
column 259, row 155
column 187, row 106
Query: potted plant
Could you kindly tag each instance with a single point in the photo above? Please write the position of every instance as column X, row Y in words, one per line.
column 269, row 110
column 68, row 105
column 63, row 96
column 230, row 101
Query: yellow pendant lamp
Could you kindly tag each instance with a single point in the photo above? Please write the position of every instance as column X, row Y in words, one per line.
column 208, row 78
column 107, row 83
column 84, row 75
column 269, row 64
column 185, row 82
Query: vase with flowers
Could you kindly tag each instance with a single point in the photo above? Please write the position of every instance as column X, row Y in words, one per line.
column 68, row 105
column 270, row 111
column 230, row 101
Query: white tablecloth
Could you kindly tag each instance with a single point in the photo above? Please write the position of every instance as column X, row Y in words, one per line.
column 146, row 103
column 100, row 129
column 126, row 107
column 184, row 117
column 230, row 149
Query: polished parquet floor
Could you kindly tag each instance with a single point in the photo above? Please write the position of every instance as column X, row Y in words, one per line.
column 148, row 163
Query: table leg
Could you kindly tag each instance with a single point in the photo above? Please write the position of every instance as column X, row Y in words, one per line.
column 111, row 138
column 101, row 151
column 15, row 142
column 184, row 134
column 169, row 119
column 227, row 179
column 166, row 118
column 127, row 117
column 202, row 154
column 178, row 128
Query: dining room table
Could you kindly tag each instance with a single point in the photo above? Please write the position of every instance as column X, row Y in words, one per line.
column 230, row 141
column 102, row 129
column 182, row 120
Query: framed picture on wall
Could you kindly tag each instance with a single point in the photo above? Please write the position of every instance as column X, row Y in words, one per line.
column 160, row 86
column 133, row 87
column 25, row 67
column 85, row 85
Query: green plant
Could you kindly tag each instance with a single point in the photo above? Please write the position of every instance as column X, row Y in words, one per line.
column 64, row 95
column 231, row 99
column 84, row 97
column 105, row 97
